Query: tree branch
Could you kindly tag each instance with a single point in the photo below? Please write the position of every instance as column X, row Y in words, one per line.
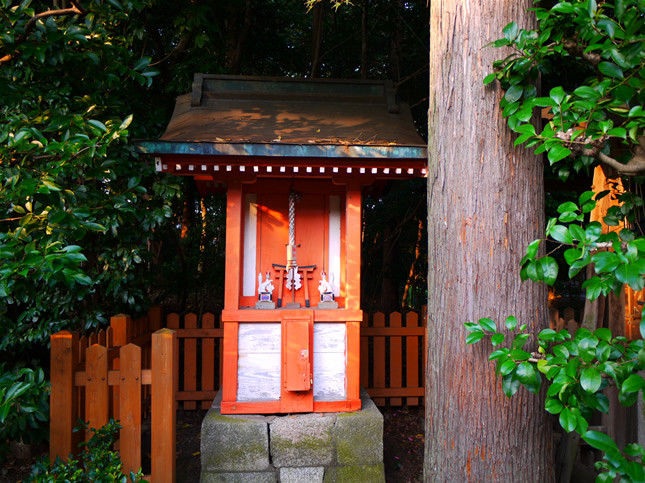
column 75, row 9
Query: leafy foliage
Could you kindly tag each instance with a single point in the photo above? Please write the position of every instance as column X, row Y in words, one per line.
column 98, row 462
column 577, row 369
column 598, row 118
column 76, row 203
column 595, row 51
column 24, row 405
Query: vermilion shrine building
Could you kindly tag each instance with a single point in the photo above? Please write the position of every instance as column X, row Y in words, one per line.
column 293, row 156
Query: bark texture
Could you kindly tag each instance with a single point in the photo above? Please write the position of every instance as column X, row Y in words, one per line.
column 485, row 204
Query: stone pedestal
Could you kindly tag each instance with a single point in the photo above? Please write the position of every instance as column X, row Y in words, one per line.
column 311, row 447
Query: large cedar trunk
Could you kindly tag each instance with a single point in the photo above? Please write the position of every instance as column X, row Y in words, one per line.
column 485, row 204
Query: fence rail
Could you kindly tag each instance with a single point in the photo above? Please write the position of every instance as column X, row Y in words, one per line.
column 95, row 378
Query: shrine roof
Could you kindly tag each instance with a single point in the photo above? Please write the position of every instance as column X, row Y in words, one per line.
column 235, row 116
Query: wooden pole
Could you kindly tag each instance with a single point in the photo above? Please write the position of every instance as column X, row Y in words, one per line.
column 165, row 362
column 63, row 398
column 96, row 388
column 130, row 407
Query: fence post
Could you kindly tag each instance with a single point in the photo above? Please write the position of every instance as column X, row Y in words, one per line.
column 165, row 362
column 156, row 318
column 130, row 407
column 121, row 325
column 208, row 358
column 63, row 398
column 96, row 389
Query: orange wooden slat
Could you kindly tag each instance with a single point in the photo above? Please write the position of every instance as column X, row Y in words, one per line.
column 96, row 388
column 378, row 358
column 101, row 337
column 121, row 325
column 392, row 392
column 353, row 247
column 63, row 396
column 190, row 360
column 234, row 224
column 396, row 358
column 165, row 353
column 172, row 321
column 392, row 331
column 353, row 360
column 365, row 363
column 92, row 339
column 208, row 358
column 204, row 396
column 199, row 333
column 130, row 408
column 156, row 318
column 412, row 361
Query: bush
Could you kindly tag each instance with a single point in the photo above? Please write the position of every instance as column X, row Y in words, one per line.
column 97, row 462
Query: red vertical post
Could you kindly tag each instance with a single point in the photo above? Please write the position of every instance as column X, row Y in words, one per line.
column 233, row 245
column 165, row 354
column 353, row 359
column 130, row 407
column 63, row 406
column 353, row 224
column 121, row 325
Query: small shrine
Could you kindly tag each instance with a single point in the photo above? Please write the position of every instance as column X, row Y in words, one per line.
column 293, row 156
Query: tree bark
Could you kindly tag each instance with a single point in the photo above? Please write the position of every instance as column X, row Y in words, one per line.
column 316, row 40
column 485, row 204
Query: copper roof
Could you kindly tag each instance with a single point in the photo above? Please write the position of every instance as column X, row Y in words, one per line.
column 279, row 119
column 293, row 111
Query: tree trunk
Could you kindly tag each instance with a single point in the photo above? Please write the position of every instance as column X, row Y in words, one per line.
column 485, row 204
column 316, row 39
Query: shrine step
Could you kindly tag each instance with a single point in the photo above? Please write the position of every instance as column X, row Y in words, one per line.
column 312, row 447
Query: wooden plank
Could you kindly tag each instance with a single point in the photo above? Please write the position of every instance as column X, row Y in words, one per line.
column 353, row 226
column 130, row 408
column 378, row 357
column 204, row 396
column 383, row 392
column 396, row 358
column 121, row 335
column 165, row 353
column 229, row 381
column 364, row 361
column 412, row 359
column 208, row 357
column 268, row 315
column 204, row 333
column 96, row 388
column 330, row 367
column 264, row 407
column 156, row 318
column 190, row 360
column 337, row 406
column 63, row 396
column 114, row 378
column 353, row 360
column 393, row 331
column 234, row 210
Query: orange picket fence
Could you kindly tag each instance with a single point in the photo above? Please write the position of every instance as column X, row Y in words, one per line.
column 126, row 372
column 393, row 358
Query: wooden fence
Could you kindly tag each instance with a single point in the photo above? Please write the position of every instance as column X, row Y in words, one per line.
column 392, row 358
column 123, row 373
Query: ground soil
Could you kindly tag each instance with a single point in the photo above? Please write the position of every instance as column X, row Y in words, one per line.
column 402, row 448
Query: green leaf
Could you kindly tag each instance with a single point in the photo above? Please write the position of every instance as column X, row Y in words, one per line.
column 97, row 124
column 610, row 69
column 605, row 261
column 497, row 339
column 599, row 441
column 510, row 31
column 572, row 254
column 557, row 94
column 557, row 153
column 590, row 379
column 507, row 367
column 633, row 383
column 489, row 78
column 553, row 406
column 474, row 337
column 561, row 233
column 488, row 324
column 511, row 322
column 514, row 93
column 525, row 372
column 568, row 420
column 510, row 385
column 549, row 270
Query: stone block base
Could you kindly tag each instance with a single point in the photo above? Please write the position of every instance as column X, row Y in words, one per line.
column 310, row 447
